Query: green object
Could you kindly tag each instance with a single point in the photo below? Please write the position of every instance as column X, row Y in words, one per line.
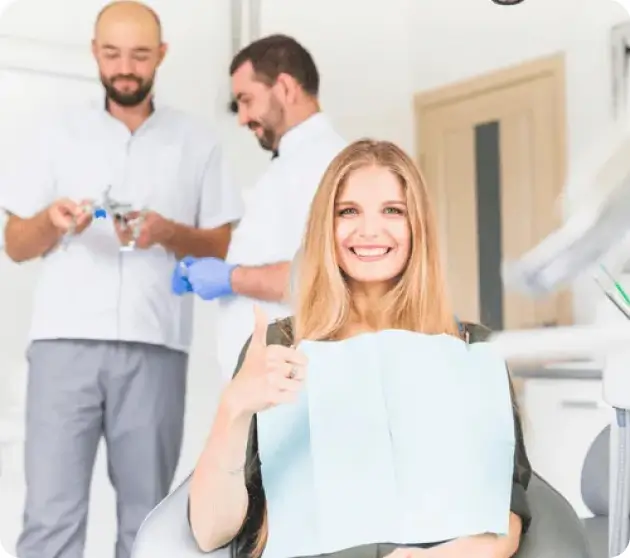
column 619, row 288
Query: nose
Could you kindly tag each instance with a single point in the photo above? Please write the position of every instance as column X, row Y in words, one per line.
column 126, row 65
column 243, row 117
column 369, row 226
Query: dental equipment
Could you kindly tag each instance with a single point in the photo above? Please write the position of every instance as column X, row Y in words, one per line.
column 614, row 294
column 118, row 211
column 593, row 229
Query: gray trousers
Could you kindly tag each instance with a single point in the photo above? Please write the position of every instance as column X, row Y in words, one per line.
column 133, row 394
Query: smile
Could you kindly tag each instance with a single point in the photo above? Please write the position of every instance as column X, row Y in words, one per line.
column 371, row 253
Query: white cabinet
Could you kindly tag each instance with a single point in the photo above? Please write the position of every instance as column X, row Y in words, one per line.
column 561, row 418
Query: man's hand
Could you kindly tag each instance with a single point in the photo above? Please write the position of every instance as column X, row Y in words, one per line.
column 154, row 229
column 209, row 278
column 67, row 215
column 36, row 236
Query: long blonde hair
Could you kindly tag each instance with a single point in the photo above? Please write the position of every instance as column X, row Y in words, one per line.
column 323, row 305
column 417, row 302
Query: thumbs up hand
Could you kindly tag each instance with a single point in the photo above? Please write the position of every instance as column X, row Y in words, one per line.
column 270, row 374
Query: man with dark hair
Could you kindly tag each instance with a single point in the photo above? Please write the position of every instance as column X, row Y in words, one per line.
column 268, row 62
column 275, row 83
column 278, row 54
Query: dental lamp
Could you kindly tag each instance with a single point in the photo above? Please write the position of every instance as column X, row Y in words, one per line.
column 593, row 229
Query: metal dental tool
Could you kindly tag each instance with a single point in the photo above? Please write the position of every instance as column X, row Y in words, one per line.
column 116, row 210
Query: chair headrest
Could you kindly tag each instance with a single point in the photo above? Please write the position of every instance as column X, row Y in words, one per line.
column 478, row 333
column 596, row 474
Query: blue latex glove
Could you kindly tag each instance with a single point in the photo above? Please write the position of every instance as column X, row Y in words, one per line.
column 179, row 281
column 209, row 278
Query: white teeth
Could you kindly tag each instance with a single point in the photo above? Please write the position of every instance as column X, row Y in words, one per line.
column 370, row 252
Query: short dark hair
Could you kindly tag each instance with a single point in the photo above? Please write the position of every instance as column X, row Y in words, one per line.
column 279, row 54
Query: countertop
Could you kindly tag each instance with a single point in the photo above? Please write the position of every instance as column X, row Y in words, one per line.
column 574, row 370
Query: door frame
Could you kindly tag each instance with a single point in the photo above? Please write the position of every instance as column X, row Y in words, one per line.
column 550, row 67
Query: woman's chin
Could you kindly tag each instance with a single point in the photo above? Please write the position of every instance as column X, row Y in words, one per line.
column 372, row 279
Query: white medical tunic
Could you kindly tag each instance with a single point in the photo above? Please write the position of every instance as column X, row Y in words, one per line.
column 172, row 165
column 272, row 227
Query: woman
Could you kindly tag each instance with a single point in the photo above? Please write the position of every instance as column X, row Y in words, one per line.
column 369, row 261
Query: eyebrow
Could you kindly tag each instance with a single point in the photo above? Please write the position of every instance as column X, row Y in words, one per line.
column 144, row 50
column 389, row 202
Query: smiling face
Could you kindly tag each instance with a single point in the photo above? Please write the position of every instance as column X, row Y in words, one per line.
column 259, row 107
column 372, row 233
column 370, row 251
column 128, row 49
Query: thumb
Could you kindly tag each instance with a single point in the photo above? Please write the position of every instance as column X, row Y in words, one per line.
column 261, row 324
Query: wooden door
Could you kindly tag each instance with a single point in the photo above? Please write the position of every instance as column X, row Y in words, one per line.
column 493, row 152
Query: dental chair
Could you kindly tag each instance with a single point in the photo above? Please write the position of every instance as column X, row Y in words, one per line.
column 595, row 493
column 555, row 532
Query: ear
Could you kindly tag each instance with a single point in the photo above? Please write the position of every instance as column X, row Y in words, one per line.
column 162, row 51
column 94, row 48
column 289, row 87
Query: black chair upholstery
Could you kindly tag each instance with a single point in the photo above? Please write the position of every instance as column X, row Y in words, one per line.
column 555, row 531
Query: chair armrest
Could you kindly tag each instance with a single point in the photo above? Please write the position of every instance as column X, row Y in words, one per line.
column 166, row 533
column 556, row 530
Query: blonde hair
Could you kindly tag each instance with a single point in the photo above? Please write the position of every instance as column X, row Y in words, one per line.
column 417, row 302
column 323, row 305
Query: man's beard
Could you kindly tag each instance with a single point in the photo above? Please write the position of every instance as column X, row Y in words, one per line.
column 268, row 138
column 129, row 98
column 269, row 124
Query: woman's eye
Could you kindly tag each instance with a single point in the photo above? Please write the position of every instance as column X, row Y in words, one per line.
column 347, row 211
column 393, row 210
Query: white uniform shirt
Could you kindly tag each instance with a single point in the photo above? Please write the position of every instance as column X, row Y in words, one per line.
column 272, row 227
column 172, row 165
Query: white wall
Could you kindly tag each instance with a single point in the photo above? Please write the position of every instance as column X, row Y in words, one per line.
column 372, row 64
column 372, row 56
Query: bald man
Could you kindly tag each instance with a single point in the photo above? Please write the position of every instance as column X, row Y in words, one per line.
column 109, row 341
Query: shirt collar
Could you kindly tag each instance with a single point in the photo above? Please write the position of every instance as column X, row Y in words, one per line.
column 101, row 107
column 302, row 132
